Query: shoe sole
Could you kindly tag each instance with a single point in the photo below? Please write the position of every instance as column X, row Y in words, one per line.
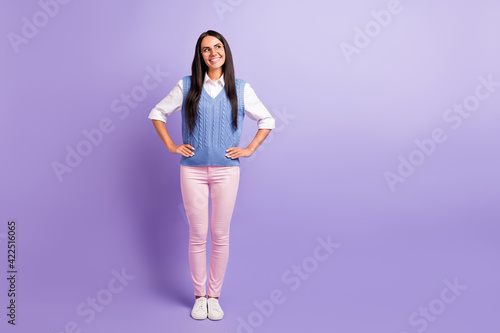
column 199, row 318
column 211, row 318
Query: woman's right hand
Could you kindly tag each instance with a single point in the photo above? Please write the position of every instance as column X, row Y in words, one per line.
column 184, row 149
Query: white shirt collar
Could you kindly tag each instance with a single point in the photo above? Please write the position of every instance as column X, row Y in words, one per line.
column 220, row 81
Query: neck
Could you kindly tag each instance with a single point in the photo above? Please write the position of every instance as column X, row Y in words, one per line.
column 214, row 74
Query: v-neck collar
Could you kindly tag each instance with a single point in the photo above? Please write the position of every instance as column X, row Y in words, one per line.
column 219, row 81
column 210, row 98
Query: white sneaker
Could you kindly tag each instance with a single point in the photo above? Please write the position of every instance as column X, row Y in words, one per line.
column 214, row 310
column 199, row 310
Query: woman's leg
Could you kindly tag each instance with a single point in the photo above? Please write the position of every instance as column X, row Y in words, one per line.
column 194, row 188
column 224, row 183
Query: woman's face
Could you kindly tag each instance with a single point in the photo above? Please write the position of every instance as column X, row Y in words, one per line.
column 213, row 53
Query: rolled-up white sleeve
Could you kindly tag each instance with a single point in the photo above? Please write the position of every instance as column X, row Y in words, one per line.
column 256, row 110
column 170, row 104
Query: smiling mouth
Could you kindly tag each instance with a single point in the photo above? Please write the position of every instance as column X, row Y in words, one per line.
column 214, row 60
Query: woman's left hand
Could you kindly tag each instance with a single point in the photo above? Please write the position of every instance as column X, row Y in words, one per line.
column 235, row 152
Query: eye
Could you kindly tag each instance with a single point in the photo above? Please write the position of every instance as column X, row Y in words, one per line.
column 217, row 47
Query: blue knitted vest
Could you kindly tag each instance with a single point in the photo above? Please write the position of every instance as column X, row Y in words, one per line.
column 213, row 132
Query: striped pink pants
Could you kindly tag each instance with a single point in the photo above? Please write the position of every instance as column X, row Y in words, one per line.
column 196, row 183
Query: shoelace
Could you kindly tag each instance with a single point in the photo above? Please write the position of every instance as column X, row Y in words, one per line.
column 215, row 306
column 200, row 305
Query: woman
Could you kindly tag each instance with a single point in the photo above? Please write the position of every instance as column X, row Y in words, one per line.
column 213, row 105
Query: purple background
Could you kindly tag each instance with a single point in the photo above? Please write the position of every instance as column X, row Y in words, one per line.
column 340, row 126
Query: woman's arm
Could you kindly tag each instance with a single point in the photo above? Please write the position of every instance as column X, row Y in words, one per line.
column 255, row 110
column 170, row 104
column 235, row 152
column 184, row 149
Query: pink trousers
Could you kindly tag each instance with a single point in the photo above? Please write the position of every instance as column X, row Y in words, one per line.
column 196, row 184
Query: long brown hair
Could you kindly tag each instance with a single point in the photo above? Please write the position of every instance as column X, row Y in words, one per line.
column 198, row 70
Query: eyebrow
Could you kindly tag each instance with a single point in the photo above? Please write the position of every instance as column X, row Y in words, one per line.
column 209, row 46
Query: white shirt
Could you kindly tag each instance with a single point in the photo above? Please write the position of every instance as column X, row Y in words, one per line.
column 254, row 108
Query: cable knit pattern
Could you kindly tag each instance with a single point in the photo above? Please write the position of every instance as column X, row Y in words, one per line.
column 213, row 132
column 226, row 126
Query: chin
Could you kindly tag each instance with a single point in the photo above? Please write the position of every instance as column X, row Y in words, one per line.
column 215, row 67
